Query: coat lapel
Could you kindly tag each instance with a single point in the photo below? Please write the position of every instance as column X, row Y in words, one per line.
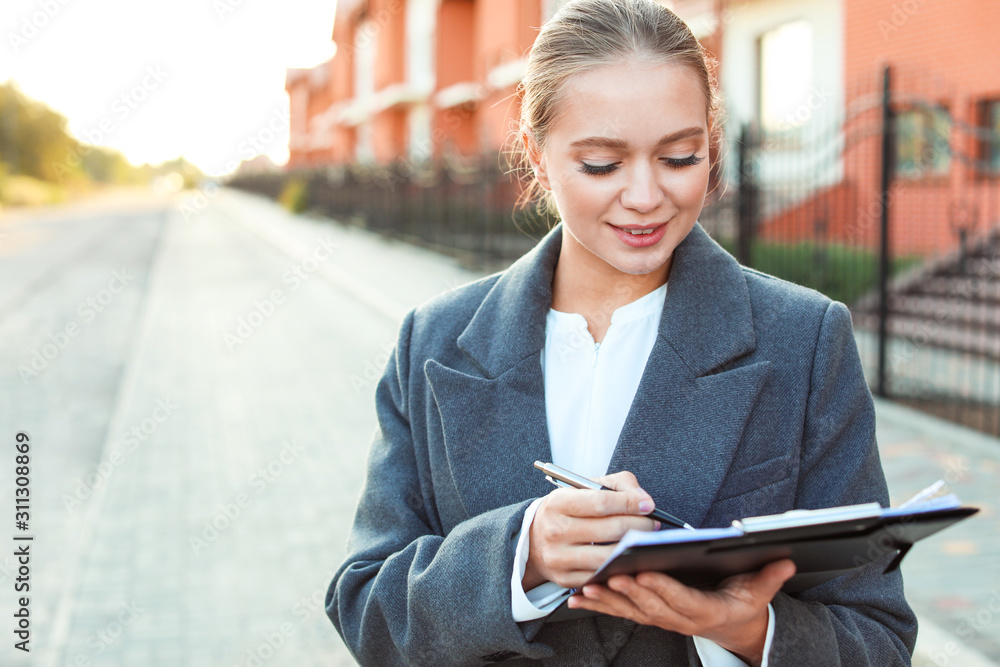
column 493, row 416
column 493, row 430
column 688, row 415
column 693, row 401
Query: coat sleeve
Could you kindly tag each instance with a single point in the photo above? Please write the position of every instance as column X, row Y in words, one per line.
column 406, row 595
column 860, row 618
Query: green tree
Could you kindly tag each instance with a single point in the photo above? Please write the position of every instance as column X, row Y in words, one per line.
column 34, row 142
column 33, row 137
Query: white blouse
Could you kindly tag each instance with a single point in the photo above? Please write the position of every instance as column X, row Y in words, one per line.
column 589, row 388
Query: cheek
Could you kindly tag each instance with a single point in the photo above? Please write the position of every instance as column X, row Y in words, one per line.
column 691, row 190
column 580, row 195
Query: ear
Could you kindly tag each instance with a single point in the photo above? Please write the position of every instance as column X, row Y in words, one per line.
column 536, row 157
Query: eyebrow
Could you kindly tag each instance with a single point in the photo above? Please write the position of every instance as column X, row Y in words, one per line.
column 608, row 142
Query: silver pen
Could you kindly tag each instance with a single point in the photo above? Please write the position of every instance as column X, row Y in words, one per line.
column 562, row 477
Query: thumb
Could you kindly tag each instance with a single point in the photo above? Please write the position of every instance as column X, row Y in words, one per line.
column 772, row 577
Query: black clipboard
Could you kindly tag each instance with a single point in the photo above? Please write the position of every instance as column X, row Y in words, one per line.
column 822, row 543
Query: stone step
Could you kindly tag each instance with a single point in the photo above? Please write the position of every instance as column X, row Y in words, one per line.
column 952, row 311
column 948, row 335
column 975, row 289
column 983, row 267
column 979, row 316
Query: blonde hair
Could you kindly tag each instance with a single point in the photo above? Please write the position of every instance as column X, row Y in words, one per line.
column 586, row 34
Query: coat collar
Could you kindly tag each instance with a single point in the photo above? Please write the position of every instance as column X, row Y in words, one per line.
column 510, row 323
column 706, row 319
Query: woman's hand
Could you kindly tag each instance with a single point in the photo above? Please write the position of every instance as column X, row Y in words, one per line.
column 734, row 615
column 572, row 529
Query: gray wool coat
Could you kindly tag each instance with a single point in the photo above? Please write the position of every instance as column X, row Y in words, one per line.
column 752, row 402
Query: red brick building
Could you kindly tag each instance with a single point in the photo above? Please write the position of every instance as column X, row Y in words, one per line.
column 945, row 60
column 413, row 79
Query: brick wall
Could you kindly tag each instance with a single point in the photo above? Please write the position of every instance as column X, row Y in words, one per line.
column 941, row 51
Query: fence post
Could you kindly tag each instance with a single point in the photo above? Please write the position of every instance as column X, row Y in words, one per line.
column 746, row 223
column 888, row 148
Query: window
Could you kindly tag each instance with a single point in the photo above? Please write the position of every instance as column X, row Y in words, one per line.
column 922, row 142
column 421, row 17
column 786, row 65
column 989, row 136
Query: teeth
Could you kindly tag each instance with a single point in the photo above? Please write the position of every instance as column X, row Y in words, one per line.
column 639, row 232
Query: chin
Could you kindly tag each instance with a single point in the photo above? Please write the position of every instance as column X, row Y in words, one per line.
column 641, row 267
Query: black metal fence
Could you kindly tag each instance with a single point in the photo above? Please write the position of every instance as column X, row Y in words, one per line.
column 467, row 209
column 890, row 206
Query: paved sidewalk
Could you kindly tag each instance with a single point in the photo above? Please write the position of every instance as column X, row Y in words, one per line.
column 952, row 579
column 388, row 275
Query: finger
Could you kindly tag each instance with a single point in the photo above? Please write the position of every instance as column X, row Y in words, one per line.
column 620, row 481
column 685, row 601
column 650, row 603
column 562, row 529
column 626, row 482
column 569, row 565
column 759, row 586
column 573, row 578
column 596, row 597
column 579, row 558
column 589, row 503
column 597, row 530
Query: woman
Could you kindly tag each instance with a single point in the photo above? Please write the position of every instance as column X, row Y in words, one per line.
column 626, row 342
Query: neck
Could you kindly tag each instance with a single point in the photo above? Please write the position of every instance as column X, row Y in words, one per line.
column 586, row 284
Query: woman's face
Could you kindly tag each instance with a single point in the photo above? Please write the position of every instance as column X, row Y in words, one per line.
column 627, row 163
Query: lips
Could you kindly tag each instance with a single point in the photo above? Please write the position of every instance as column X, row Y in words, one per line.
column 640, row 236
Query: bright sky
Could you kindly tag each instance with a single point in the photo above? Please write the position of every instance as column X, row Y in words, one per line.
column 198, row 78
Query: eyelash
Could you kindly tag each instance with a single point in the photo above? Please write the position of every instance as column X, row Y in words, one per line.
column 673, row 163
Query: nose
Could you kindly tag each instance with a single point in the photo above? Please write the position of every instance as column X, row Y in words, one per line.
column 642, row 193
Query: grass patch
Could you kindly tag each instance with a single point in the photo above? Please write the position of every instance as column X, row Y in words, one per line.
column 295, row 195
column 843, row 273
column 19, row 190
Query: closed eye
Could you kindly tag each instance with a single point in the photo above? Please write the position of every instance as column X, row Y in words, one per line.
column 689, row 161
column 598, row 169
